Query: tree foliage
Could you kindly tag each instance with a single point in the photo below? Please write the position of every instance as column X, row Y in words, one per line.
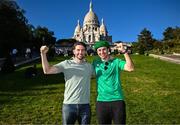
column 13, row 26
column 145, row 41
column 169, row 43
column 66, row 42
column 171, row 34
column 171, row 38
column 15, row 32
column 42, row 36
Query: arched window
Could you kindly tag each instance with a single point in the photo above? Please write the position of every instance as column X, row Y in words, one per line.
column 89, row 38
column 89, row 29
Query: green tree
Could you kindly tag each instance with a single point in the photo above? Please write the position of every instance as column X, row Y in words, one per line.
column 171, row 38
column 168, row 34
column 66, row 42
column 145, row 41
column 30, row 39
column 43, row 36
column 135, row 47
column 177, row 34
column 13, row 26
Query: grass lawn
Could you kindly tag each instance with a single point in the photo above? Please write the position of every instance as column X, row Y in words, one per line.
column 152, row 94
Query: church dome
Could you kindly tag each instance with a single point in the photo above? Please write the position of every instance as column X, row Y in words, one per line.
column 91, row 17
column 103, row 30
column 78, row 28
column 103, row 27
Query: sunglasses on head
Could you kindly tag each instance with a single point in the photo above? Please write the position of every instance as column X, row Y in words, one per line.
column 106, row 66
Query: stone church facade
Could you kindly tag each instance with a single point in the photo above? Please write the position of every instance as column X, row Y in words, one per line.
column 91, row 31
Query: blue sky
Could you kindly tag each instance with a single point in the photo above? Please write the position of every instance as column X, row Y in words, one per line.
column 124, row 19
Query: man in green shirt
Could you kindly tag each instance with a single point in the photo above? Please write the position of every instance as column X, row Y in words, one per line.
column 110, row 100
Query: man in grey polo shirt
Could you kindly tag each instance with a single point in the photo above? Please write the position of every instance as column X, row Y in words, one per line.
column 77, row 75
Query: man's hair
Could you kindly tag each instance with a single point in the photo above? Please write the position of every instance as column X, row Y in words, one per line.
column 78, row 43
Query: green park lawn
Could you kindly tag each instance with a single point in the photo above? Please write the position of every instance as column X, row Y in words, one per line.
column 152, row 94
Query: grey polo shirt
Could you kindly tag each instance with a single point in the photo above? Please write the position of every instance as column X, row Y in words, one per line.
column 77, row 81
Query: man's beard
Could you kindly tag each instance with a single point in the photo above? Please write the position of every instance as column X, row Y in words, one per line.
column 81, row 57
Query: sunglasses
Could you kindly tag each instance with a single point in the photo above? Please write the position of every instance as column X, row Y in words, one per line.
column 106, row 66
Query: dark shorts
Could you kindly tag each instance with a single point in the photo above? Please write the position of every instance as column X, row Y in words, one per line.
column 111, row 111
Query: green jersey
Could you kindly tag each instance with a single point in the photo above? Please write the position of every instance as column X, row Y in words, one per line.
column 108, row 79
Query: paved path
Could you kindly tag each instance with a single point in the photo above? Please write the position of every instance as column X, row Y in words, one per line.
column 26, row 61
column 171, row 58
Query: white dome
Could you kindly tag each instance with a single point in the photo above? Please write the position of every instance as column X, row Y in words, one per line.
column 78, row 28
column 91, row 17
column 103, row 27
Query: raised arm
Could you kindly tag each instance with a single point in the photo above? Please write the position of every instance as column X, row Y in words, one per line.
column 47, row 69
column 129, row 66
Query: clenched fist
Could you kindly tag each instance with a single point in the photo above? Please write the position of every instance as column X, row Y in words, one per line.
column 44, row 49
column 121, row 48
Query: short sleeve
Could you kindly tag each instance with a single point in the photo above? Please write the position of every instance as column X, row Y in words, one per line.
column 121, row 64
column 60, row 66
